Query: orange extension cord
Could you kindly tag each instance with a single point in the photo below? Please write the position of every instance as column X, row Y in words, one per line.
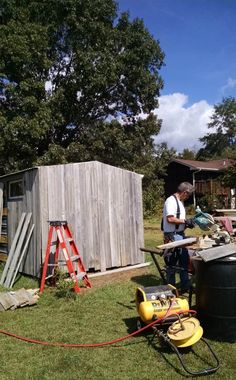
column 94, row 345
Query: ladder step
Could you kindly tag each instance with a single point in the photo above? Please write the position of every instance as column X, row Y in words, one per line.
column 50, row 276
column 81, row 275
column 72, row 258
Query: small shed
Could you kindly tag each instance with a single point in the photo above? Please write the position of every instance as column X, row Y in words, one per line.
column 101, row 203
column 204, row 175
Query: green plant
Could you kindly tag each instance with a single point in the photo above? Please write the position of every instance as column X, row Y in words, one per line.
column 209, row 202
column 65, row 285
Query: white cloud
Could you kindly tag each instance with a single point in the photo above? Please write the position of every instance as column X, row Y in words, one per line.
column 231, row 84
column 182, row 126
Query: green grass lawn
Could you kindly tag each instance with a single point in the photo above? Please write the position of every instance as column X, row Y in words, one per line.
column 99, row 314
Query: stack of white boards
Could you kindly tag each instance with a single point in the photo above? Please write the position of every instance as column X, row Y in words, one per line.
column 19, row 298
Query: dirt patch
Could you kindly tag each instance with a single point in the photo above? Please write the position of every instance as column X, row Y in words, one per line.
column 116, row 277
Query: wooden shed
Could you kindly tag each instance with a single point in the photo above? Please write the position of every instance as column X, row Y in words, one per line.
column 101, row 203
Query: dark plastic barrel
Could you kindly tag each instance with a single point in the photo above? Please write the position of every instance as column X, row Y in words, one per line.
column 216, row 297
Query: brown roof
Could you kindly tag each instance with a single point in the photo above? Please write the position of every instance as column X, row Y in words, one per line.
column 205, row 165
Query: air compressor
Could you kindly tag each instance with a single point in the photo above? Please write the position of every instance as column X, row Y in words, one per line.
column 155, row 302
column 176, row 325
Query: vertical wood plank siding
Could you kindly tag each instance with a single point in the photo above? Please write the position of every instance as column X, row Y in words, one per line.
column 28, row 203
column 102, row 204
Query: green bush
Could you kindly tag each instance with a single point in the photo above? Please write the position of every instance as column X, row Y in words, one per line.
column 65, row 286
column 209, row 203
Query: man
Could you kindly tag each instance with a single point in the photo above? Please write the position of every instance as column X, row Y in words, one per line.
column 174, row 224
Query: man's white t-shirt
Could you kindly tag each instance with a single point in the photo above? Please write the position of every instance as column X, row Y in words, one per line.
column 170, row 208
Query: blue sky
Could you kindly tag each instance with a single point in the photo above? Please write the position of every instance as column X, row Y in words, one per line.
column 199, row 41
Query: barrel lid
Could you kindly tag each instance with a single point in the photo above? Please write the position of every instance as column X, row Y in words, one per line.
column 231, row 259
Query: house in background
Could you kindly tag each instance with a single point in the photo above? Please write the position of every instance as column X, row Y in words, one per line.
column 101, row 203
column 204, row 175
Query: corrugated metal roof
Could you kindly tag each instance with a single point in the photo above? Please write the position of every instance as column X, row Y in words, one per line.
column 205, row 165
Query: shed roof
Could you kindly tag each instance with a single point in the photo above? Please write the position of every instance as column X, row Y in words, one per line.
column 72, row 163
column 213, row 165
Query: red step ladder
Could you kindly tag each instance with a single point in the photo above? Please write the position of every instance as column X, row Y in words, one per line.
column 66, row 244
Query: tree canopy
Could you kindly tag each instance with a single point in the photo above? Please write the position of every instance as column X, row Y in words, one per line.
column 74, row 77
column 223, row 139
column 187, row 154
column 222, row 142
column 65, row 67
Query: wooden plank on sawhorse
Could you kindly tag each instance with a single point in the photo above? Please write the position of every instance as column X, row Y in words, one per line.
column 217, row 252
column 167, row 246
column 178, row 243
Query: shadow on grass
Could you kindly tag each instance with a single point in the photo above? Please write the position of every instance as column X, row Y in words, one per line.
column 167, row 355
column 152, row 340
column 147, row 280
column 25, row 281
column 196, row 356
column 129, row 307
column 187, row 355
column 131, row 324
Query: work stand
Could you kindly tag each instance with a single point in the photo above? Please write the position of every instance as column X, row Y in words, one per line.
column 154, row 253
column 162, row 271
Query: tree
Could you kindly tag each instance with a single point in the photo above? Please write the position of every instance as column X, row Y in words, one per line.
column 222, row 143
column 65, row 68
column 223, row 120
column 187, row 154
column 229, row 174
column 153, row 180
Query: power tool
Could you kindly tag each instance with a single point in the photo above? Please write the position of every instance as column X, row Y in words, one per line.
column 176, row 325
column 204, row 220
column 155, row 301
column 216, row 234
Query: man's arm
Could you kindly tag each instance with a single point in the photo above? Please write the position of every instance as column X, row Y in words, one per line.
column 173, row 220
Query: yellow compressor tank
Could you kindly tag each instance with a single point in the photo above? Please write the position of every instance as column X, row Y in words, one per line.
column 155, row 301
